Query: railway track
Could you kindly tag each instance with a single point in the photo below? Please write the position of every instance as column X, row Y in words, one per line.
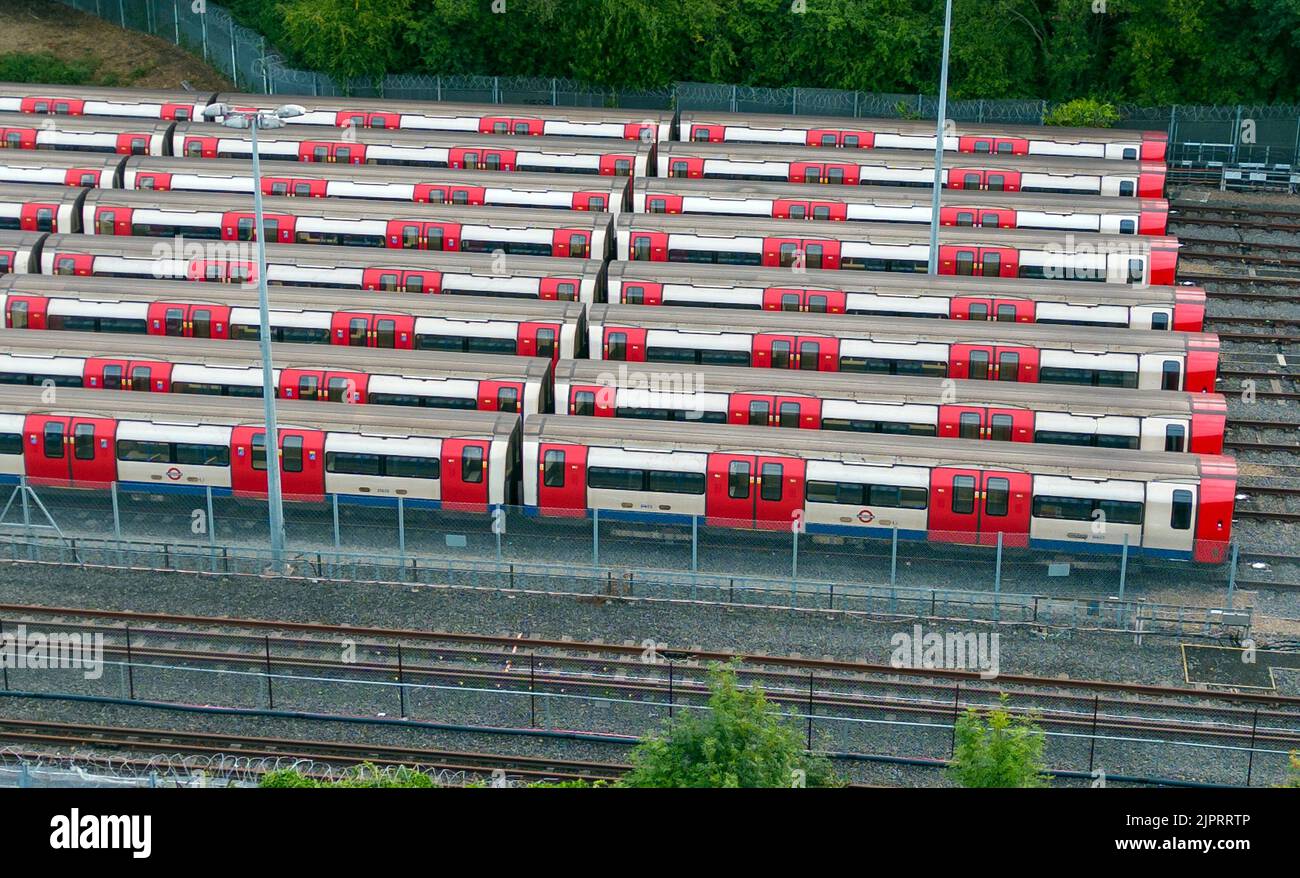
column 41, row 733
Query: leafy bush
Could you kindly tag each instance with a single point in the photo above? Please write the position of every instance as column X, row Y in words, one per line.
column 366, row 775
column 1082, row 113
column 44, row 67
column 998, row 750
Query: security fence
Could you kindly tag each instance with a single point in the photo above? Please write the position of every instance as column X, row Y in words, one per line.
column 895, row 713
column 886, row 574
column 1254, row 141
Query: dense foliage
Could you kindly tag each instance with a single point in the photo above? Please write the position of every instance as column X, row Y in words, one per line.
column 363, row 776
column 738, row 742
column 996, row 749
column 1141, row 51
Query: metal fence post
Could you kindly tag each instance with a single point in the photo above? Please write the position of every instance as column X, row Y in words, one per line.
column 997, row 582
column 1236, row 133
column 401, row 683
column 212, row 531
column 130, row 667
column 1250, row 763
column 1123, row 568
column 204, row 21
column 554, row 95
column 893, row 558
column 270, row 693
column 595, row 538
column 176, row 20
column 334, row 498
column 810, row 709
column 5, row 666
column 401, row 533
column 1092, row 745
column 956, row 714
column 266, row 73
column 1232, row 573
column 794, row 101
column 234, row 61
column 532, row 690
column 27, row 518
column 117, row 520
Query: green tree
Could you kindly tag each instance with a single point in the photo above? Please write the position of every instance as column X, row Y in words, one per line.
column 347, row 38
column 1293, row 772
column 998, row 749
column 737, row 742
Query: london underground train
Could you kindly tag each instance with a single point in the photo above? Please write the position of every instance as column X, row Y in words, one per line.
column 904, row 294
column 47, row 168
column 121, row 103
column 519, row 120
column 863, row 485
column 396, row 226
column 152, row 364
column 964, row 137
column 155, row 444
column 406, row 271
column 979, row 252
column 880, row 204
column 88, row 134
column 1031, row 353
column 894, row 167
column 306, row 315
column 471, row 152
column 897, row 405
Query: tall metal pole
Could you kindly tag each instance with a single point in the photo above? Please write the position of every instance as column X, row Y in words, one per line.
column 274, row 497
column 938, row 142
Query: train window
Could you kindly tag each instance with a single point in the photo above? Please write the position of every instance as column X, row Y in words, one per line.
column 997, row 182
column 997, row 498
column 195, row 454
column 143, row 452
column 53, row 439
column 634, row 295
column 968, row 425
column 1006, row 313
column 105, row 222
column 781, row 354
column 113, row 377
column 201, row 323
column 1110, row 440
column 403, row 467
column 615, row 478
column 1170, row 375
column 1135, row 271
column 1008, row 366
column 981, row 146
column 737, row 479
column 508, row 399
column 1130, row 152
column 679, row 168
column 471, row 465
column 813, row 255
column 291, row 454
column 258, row 460
column 1126, row 187
column 1180, row 512
column 811, row 174
column 770, row 483
column 828, row 140
column 724, row 358
column 174, row 321
column 992, row 264
column 1160, row 320
column 700, row 135
column 787, row 253
column 821, row 212
column 413, row 283
column 579, row 247
column 411, row 237
column 963, row 494
column 484, row 345
column 385, row 333
column 970, row 181
column 11, row 443
column 673, row 482
column 809, row 356
column 458, row 196
column 18, row 315
column 1175, row 434
column 658, row 205
column 965, row 262
column 834, row 175
column 789, row 414
column 852, row 140
column 979, row 365
column 358, row 330
column 1127, row 227
column 278, row 187
column 308, row 386
column 790, row 302
column 584, row 402
column 141, row 378
column 1000, row 428
column 546, row 342
column 759, row 413
column 553, row 469
column 6, row 263
column 798, row 211
column 340, row 389
column 641, row 247
column 596, row 203
column 65, row 265
column 978, row 311
column 965, row 218
column 844, row 493
column 521, row 128
column 1118, row 511
column 818, row 304
column 343, row 462
column 83, row 442
column 622, row 168
column 1069, row 508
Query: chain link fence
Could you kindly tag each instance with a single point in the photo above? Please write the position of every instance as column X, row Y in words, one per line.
column 1257, row 137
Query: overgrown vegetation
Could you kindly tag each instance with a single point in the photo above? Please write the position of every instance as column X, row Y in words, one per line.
column 996, row 749
column 1142, row 51
column 49, row 68
column 1082, row 113
column 1293, row 772
column 366, row 775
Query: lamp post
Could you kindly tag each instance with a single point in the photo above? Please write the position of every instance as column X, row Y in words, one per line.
column 938, row 142
column 253, row 120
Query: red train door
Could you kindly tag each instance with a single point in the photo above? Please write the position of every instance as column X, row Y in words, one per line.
column 539, row 340
column 25, row 312
column 987, row 362
column 302, row 463
column 797, row 412
column 69, row 450
column 38, row 217
column 967, row 308
column 237, row 225
column 977, row 422
column 1013, row 311
column 464, row 474
column 774, row 351
column 753, row 491
column 562, row 479
column 753, row 409
column 969, row 506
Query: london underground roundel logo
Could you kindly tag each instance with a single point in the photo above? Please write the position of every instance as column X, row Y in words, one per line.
column 173, row 473
column 866, row 516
